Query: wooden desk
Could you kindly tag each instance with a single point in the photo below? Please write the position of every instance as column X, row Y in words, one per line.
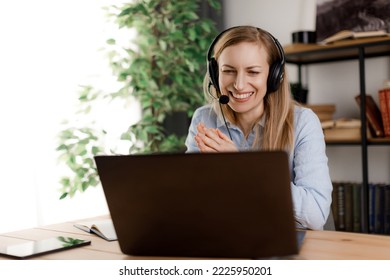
column 318, row 245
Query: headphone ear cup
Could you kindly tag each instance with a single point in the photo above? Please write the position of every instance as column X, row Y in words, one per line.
column 275, row 77
column 213, row 72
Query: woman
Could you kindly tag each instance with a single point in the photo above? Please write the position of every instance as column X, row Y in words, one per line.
column 247, row 73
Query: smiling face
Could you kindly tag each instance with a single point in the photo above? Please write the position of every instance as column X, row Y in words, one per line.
column 243, row 72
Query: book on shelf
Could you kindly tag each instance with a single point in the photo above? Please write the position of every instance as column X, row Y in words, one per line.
column 349, row 34
column 334, row 205
column 371, row 207
column 348, row 207
column 356, row 198
column 386, row 222
column 379, row 208
column 384, row 107
column 340, row 208
column 373, row 116
column 102, row 228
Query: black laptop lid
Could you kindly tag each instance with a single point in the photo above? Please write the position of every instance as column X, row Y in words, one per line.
column 234, row 205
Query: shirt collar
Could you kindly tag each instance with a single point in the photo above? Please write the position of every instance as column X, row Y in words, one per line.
column 221, row 123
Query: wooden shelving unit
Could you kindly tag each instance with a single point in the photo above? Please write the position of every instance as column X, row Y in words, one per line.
column 354, row 49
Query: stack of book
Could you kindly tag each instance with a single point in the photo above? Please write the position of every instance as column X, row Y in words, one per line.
column 343, row 129
column 378, row 117
column 346, row 207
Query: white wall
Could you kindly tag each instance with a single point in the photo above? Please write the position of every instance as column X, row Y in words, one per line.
column 48, row 48
column 336, row 82
column 280, row 17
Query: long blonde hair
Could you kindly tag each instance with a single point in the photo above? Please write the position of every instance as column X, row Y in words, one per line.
column 278, row 132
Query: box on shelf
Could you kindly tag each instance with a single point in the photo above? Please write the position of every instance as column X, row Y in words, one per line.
column 323, row 111
column 341, row 134
column 341, row 123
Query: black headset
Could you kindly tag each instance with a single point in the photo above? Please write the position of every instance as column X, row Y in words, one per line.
column 276, row 70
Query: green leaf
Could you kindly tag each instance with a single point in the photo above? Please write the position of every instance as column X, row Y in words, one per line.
column 95, row 150
column 206, row 27
column 62, row 147
column 111, row 41
column 192, row 34
column 64, row 195
column 125, row 136
column 152, row 129
column 191, row 15
column 65, row 181
column 84, row 186
column 215, row 4
column 163, row 45
column 125, row 12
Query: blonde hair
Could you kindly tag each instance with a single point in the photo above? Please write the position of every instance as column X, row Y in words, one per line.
column 278, row 132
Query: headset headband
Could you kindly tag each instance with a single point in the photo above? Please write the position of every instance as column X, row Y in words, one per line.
column 276, row 42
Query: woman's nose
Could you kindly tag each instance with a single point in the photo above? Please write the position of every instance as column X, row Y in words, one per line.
column 240, row 81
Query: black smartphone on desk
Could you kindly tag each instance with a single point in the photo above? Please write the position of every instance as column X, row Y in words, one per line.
column 35, row 248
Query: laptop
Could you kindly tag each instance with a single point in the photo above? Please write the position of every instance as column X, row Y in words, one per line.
column 207, row 205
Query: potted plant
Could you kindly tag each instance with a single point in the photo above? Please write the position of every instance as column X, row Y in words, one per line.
column 163, row 69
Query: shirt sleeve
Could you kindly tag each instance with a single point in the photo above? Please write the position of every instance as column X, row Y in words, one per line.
column 311, row 184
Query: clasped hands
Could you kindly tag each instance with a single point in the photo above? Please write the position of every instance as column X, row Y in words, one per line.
column 213, row 140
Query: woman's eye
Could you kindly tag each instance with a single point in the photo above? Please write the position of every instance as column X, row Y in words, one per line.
column 228, row 71
column 254, row 72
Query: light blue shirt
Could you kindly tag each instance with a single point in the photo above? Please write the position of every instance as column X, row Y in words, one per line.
column 311, row 186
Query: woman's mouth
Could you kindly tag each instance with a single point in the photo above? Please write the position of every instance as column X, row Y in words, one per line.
column 241, row 96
